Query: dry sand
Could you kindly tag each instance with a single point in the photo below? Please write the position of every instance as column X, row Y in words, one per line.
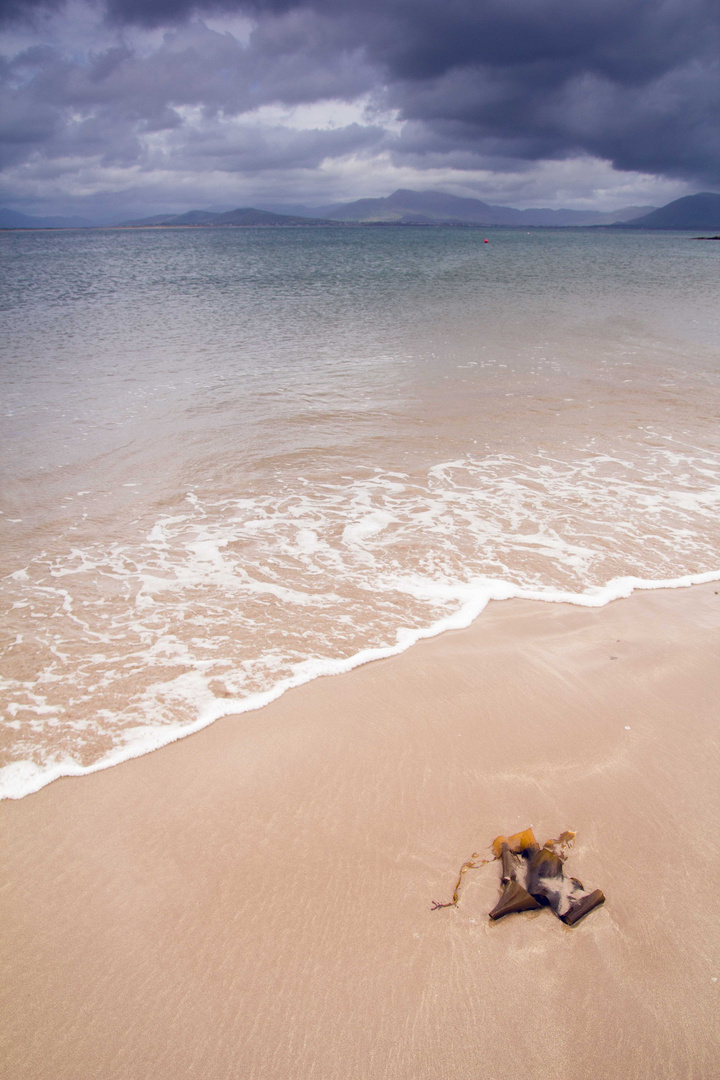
column 253, row 902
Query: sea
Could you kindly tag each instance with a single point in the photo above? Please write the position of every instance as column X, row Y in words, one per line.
column 235, row 460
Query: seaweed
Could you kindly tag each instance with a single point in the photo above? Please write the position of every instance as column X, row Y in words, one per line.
column 533, row 877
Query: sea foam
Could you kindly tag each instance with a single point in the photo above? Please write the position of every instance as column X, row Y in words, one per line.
column 23, row 778
column 224, row 604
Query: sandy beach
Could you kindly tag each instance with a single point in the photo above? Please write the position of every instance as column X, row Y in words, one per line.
column 255, row 901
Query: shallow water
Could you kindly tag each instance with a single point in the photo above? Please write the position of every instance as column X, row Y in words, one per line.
column 234, row 460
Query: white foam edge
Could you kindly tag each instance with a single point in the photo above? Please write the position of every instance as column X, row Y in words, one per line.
column 23, row 778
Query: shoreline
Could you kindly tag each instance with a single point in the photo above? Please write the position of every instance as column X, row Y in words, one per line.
column 17, row 781
column 254, row 901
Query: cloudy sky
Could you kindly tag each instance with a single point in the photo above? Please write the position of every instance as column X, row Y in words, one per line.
column 143, row 106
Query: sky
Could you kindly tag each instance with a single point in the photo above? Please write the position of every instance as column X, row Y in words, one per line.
column 114, row 107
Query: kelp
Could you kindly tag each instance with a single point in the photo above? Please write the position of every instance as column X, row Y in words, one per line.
column 533, row 877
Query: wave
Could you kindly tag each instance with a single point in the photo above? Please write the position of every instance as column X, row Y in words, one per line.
column 125, row 640
column 24, row 777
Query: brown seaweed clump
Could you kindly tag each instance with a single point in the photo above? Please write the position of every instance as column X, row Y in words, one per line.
column 533, row 877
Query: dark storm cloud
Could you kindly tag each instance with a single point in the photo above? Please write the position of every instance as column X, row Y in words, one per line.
column 633, row 81
column 637, row 84
column 23, row 10
column 479, row 82
column 106, row 103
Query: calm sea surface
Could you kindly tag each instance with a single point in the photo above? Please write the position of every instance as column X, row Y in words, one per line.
column 234, row 460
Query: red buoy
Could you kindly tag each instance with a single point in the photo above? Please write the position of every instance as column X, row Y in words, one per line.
column 486, row 241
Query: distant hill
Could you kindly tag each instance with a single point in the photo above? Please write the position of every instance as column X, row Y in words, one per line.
column 691, row 212
column 192, row 217
column 242, row 217
column 12, row 219
column 406, row 207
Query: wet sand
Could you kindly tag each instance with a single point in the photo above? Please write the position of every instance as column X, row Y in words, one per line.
column 254, row 902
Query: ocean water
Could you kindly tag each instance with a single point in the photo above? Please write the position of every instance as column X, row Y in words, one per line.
column 235, row 460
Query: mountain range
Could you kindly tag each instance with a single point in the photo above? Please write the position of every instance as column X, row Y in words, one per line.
column 13, row 219
column 242, row 217
column 700, row 211
column 405, row 207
